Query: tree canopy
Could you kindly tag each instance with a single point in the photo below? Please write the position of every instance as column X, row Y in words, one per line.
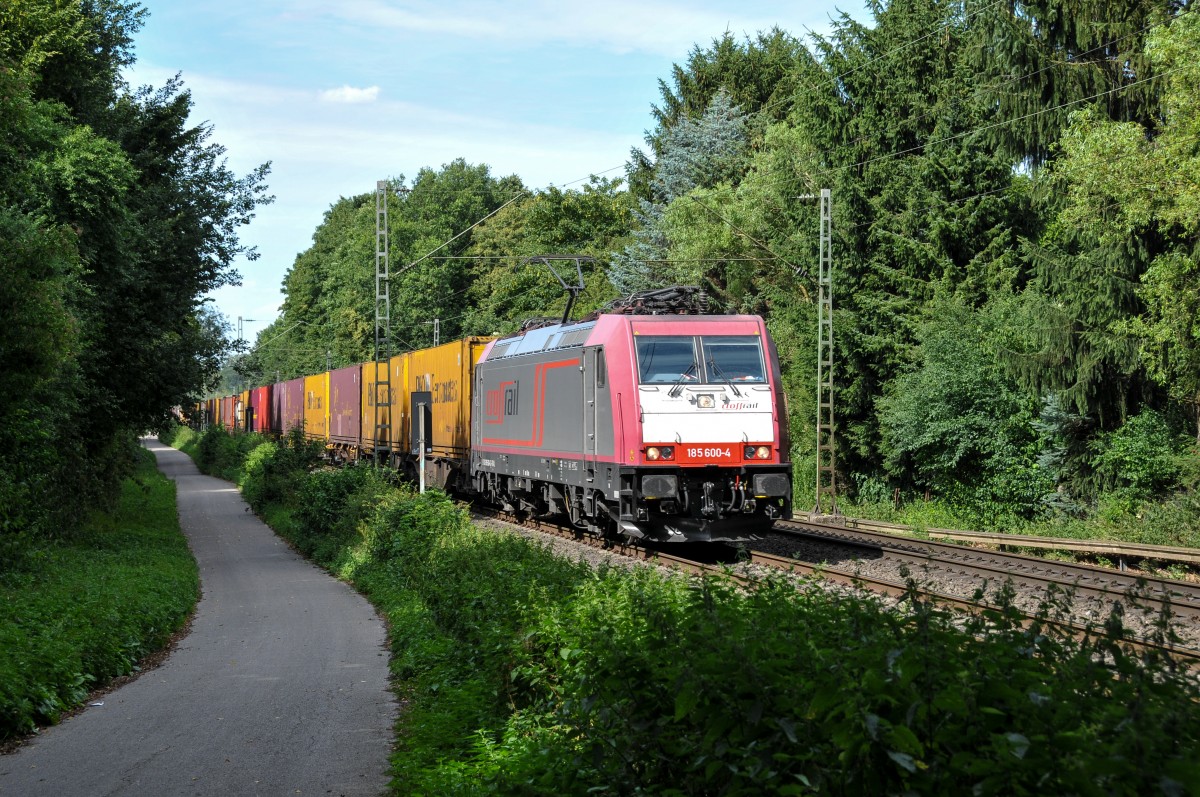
column 116, row 216
column 1014, row 238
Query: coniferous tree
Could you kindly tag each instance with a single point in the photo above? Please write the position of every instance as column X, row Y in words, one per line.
column 697, row 153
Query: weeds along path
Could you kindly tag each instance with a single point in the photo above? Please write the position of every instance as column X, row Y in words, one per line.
column 281, row 687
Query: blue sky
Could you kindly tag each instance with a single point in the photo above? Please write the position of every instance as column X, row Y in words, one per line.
column 340, row 93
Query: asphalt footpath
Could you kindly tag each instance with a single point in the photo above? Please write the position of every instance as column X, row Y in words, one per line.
column 280, row 688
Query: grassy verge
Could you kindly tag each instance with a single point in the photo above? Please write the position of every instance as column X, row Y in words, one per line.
column 76, row 613
column 181, row 437
column 523, row 673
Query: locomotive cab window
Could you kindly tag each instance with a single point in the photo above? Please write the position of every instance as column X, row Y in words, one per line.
column 601, row 368
column 672, row 359
column 734, row 358
column 666, row 359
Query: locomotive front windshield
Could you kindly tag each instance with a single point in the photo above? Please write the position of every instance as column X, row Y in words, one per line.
column 667, row 359
column 733, row 358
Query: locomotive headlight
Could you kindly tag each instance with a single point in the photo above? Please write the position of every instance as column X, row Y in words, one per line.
column 706, row 401
column 655, row 453
column 763, row 452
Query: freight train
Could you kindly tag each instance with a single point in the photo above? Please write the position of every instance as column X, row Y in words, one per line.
column 637, row 421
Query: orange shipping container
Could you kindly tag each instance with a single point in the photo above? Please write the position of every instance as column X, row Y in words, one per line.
column 243, row 401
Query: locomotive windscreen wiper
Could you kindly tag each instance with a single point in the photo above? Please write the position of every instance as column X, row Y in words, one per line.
column 716, row 369
column 677, row 388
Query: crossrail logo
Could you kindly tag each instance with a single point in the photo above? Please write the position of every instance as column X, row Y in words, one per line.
column 502, row 402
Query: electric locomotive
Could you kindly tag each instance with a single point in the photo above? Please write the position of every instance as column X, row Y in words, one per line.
column 638, row 421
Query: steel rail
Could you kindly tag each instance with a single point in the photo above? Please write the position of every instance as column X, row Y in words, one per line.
column 1183, row 595
column 1164, row 553
column 1190, row 656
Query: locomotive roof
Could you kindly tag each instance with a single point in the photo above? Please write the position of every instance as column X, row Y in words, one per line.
column 575, row 334
column 557, row 336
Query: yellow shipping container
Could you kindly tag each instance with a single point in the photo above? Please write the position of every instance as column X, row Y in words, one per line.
column 446, row 372
column 316, row 406
column 243, row 401
column 391, row 410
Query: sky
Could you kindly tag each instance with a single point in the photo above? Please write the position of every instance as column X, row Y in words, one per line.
column 338, row 94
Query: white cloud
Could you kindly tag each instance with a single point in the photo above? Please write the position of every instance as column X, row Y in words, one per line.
column 667, row 28
column 351, row 95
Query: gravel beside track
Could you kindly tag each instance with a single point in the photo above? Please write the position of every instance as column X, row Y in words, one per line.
column 954, row 579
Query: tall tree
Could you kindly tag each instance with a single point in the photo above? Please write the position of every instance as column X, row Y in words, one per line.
column 506, row 290
column 758, row 73
column 329, row 306
column 885, row 116
column 695, row 153
column 1040, row 64
column 1134, row 191
column 115, row 217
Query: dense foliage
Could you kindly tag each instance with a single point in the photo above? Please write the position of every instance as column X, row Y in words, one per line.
column 525, row 673
column 116, row 217
column 1014, row 238
column 78, row 613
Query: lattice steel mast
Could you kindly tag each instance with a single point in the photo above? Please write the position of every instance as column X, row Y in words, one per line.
column 383, row 329
column 826, row 449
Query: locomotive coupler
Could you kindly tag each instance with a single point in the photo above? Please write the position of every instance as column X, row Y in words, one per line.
column 708, row 507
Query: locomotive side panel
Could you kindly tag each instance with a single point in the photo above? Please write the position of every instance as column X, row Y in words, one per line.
column 531, row 405
column 530, row 430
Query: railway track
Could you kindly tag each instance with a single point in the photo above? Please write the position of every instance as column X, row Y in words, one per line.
column 1027, row 572
column 927, row 565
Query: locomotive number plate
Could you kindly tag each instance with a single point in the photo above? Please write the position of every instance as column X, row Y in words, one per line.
column 709, row 453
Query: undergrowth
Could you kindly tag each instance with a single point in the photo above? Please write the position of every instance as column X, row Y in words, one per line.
column 84, row 609
column 525, row 673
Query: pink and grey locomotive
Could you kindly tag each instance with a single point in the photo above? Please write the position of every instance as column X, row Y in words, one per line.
column 668, row 427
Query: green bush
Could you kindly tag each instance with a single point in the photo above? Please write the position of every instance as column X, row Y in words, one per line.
column 222, row 454
column 660, row 684
column 1140, row 459
column 275, row 472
